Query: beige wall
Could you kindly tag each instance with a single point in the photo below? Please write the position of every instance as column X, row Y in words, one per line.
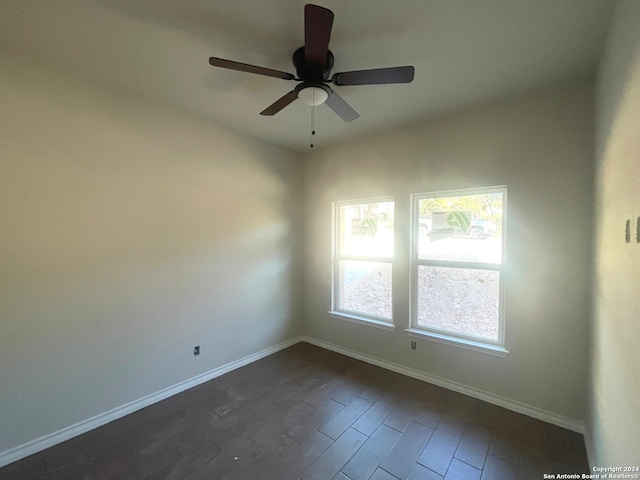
column 129, row 234
column 613, row 433
column 541, row 146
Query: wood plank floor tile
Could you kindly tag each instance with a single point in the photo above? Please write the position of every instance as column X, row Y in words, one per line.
column 342, row 420
column 375, row 415
column 237, row 458
column 497, row 469
column 404, row 455
column 351, row 385
column 505, row 448
column 243, row 423
column 362, row 465
column 308, row 424
column 333, row 458
column 33, row 466
column 188, row 463
column 423, row 473
column 443, row 443
column 381, row 474
column 291, row 460
column 281, row 424
column 264, row 421
column 473, row 446
column 380, row 383
column 462, row 471
column 428, row 416
column 402, row 415
column 306, row 452
column 341, row 476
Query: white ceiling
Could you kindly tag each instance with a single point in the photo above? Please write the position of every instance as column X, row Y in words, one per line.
column 464, row 52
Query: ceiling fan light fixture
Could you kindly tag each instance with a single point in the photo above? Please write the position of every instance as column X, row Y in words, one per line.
column 313, row 96
column 313, row 62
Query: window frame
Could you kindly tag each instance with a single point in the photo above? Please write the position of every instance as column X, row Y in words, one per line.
column 482, row 344
column 337, row 257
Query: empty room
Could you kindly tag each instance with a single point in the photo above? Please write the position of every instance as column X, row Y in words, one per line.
column 342, row 240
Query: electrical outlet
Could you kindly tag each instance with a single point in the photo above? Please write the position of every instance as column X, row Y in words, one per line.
column 414, row 345
column 627, row 231
column 196, row 350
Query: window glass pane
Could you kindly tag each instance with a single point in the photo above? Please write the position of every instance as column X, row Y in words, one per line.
column 465, row 228
column 459, row 300
column 366, row 288
column 366, row 229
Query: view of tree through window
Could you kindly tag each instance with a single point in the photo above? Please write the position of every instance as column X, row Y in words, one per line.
column 364, row 253
column 457, row 263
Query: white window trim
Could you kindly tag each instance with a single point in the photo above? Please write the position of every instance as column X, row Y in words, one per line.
column 341, row 313
column 480, row 344
column 369, row 321
column 466, row 343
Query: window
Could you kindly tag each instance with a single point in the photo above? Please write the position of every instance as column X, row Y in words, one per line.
column 457, row 260
column 363, row 256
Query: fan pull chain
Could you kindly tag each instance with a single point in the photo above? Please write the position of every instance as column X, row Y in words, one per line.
column 313, row 121
column 313, row 118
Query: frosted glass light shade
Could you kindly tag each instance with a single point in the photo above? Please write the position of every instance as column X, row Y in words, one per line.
column 313, row 96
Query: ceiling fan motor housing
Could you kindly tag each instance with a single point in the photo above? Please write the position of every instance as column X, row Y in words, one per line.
column 311, row 73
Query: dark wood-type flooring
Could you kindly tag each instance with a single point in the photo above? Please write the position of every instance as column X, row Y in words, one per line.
column 309, row 413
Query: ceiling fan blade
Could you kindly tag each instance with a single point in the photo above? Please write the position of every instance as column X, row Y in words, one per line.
column 245, row 67
column 376, row 76
column 317, row 32
column 280, row 103
column 342, row 108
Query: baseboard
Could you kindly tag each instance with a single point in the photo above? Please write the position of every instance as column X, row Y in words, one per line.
column 545, row 416
column 46, row 441
column 589, row 447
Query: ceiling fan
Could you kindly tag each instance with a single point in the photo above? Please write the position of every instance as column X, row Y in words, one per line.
column 313, row 63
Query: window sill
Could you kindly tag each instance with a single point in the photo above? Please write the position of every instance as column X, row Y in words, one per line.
column 371, row 322
column 458, row 342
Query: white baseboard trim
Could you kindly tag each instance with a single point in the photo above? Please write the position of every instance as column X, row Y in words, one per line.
column 67, row 433
column 590, row 448
column 545, row 416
